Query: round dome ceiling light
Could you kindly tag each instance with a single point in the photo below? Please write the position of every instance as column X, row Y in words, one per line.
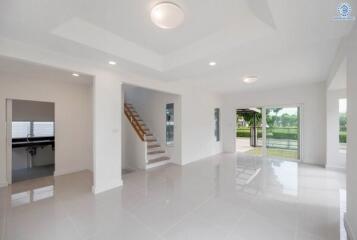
column 251, row 79
column 167, row 15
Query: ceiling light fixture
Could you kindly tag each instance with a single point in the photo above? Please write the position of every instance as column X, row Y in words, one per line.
column 251, row 79
column 112, row 63
column 212, row 64
column 75, row 74
column 167, row 15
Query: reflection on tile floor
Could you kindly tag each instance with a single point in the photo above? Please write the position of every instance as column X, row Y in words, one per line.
column 228, row 196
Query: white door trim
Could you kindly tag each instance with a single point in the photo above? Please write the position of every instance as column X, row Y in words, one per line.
column 8, row 124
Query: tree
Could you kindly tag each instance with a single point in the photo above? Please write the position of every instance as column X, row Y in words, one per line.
column 249, row 118
column 272, row 120
column 343, row 122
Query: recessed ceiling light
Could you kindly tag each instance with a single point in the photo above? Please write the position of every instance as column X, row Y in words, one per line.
column 251, row 79
column 75, row 74
column 112, row 63
column 212, row 64
column 167, row 15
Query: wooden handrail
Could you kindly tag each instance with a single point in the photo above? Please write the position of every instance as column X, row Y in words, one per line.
column 134, row 122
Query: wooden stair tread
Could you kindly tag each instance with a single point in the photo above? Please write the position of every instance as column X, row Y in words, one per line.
column 160, row 159
column 151, row 140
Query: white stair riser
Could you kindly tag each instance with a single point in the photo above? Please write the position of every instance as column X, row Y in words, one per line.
column 148, row 166
column 154, row 156
column 154, row 149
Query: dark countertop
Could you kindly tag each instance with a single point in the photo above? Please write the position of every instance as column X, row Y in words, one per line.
column 33, row 142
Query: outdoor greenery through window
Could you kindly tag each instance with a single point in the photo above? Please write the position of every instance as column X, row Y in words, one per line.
column 282, row 132
column 343, row 124
column 217, row 123
column 170, row 124
column 249, row 131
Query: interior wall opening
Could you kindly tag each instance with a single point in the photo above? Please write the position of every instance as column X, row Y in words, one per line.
column 151, row 123
column 31, row 133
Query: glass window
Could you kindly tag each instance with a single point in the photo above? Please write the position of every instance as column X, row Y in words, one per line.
column 283, row 132
column 343, row 124
column 43, row 129
column 170, row 123
column 26, row 129
column 217, row 123
column 21, row 129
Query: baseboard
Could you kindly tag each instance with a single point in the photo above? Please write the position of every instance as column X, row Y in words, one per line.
column 60, row 173
column 3, row 184
column 338, row 168
column 99, row 189
column 348, row 228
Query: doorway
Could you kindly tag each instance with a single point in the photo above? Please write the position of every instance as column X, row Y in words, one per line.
column 31, row 139
column 249, row 131
column 269, row 131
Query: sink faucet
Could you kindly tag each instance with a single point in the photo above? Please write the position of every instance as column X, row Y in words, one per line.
column 27, row 137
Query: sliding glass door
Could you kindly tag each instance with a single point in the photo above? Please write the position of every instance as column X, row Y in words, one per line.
column 283, row 132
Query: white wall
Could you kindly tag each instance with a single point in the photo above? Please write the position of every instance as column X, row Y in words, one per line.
column 335, row 158
column 198, row 140
column 311, row 97
column 32, row 111
column 134, row 149
column 351, row 167
column 72, row 117
column 151, row 107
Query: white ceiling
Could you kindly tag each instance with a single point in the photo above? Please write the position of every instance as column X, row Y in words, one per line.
column 339, row 81
column 23, row 69
column 283, row 42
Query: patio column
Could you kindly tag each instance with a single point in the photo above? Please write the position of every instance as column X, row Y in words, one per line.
column 264, row 131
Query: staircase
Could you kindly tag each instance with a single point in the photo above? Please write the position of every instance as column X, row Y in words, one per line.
column 155, row 154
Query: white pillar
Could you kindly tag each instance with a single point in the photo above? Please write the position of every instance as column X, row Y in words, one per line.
column 351, row 165
column 107, row 110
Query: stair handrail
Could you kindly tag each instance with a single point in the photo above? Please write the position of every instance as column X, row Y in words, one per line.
column 134, row 122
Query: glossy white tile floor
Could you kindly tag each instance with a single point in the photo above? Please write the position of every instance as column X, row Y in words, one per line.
column 223, row 197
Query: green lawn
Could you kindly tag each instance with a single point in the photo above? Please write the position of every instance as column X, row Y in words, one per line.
column 282, row 133
column 277, row 133
column 343, row 137
column 272, row 152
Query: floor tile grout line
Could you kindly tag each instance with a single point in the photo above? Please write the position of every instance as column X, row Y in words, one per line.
column 143, row 223
column 187, row 214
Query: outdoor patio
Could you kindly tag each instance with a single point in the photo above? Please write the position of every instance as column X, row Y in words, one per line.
column 243, row 146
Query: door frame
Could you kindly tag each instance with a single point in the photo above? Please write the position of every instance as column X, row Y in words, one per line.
column 8, row 124
column 8, row 134
column 301, row 127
